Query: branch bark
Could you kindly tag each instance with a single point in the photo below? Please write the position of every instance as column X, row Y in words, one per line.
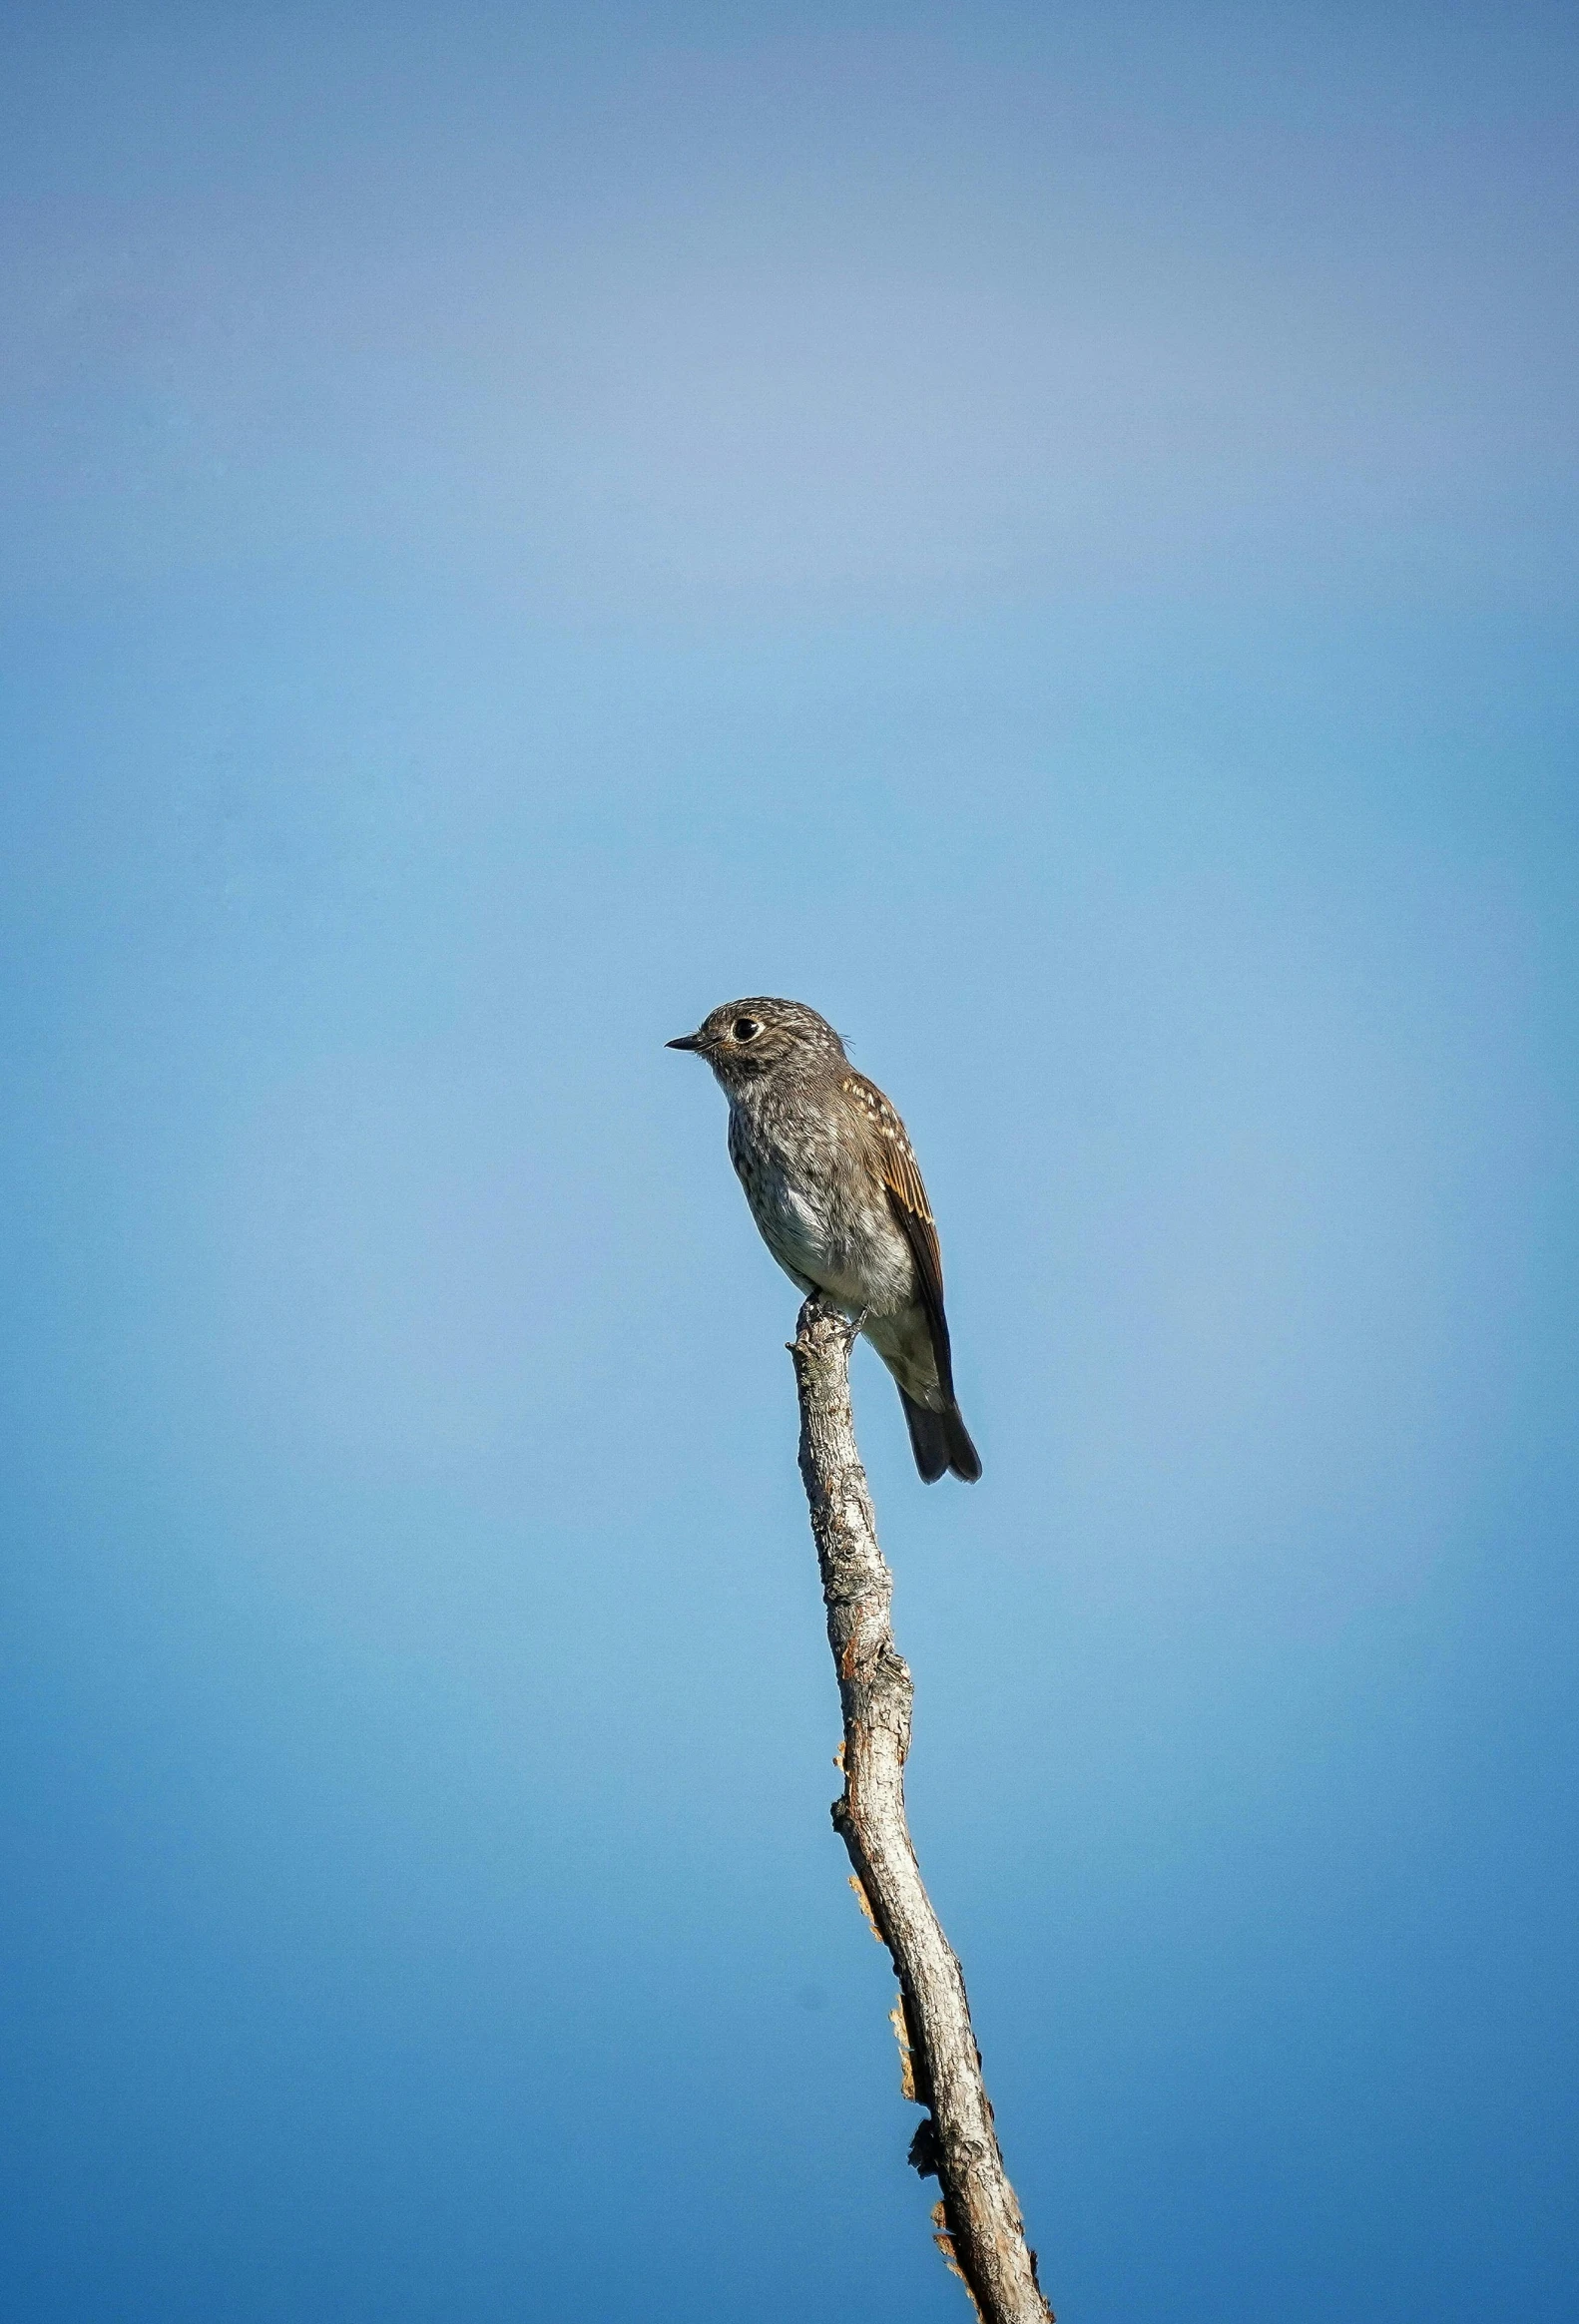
column 979, row 2228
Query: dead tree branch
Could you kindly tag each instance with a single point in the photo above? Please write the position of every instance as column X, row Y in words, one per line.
column 979, row 2228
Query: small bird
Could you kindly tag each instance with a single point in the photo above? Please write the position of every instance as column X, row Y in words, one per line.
column 835, row 1190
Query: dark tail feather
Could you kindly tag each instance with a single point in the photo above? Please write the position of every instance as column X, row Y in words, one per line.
column 939, row 1440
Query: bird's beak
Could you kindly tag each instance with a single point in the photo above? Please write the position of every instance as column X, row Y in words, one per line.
column 687, row 1041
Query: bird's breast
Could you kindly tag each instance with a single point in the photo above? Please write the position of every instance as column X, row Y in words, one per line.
column 790, row 1210
column 823, row 1216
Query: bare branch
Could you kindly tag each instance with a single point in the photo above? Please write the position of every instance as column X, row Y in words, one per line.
column 979, row 2229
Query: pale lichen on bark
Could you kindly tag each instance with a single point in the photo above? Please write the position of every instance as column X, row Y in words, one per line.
column 978, row 2225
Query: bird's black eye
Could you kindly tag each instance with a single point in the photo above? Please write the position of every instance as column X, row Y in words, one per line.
column 746, row 1029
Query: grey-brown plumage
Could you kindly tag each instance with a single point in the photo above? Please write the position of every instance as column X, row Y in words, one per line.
column 833, row 1186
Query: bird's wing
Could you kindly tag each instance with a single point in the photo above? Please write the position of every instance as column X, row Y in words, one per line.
column 895, row 1159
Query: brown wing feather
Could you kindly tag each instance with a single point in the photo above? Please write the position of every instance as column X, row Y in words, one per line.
column 901, row 1178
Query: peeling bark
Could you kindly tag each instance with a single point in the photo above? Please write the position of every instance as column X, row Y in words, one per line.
column 978, row 2225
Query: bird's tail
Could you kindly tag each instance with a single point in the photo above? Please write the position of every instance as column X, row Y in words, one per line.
column 939, row 1440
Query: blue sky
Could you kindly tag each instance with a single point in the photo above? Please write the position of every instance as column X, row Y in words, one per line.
column 1048, row 535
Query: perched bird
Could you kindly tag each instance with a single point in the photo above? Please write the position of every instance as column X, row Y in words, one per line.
column 836, row 1193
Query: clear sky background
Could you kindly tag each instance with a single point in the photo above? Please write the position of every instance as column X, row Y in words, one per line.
column 1048, row 533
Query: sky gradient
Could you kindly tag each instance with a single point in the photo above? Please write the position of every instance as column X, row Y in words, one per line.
column 1049, row 535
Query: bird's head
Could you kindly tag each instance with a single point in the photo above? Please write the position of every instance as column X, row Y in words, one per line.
column 745, row 1040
